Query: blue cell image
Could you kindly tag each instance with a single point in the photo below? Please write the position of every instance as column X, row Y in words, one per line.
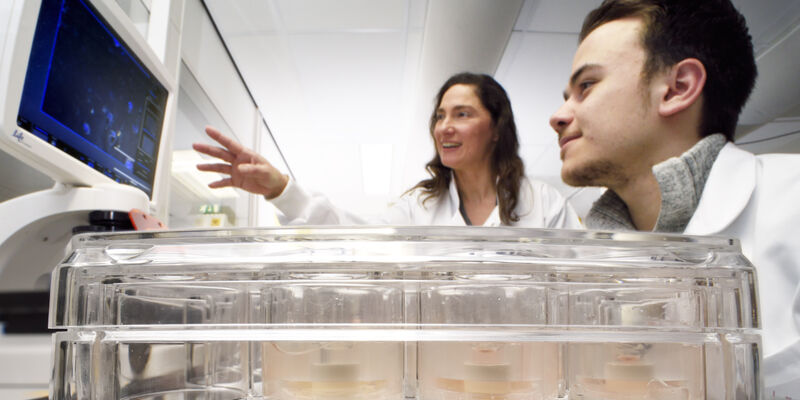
column 112, row 139
column 85, row 88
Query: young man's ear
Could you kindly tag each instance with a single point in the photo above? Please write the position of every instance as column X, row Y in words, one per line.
column 684, row 85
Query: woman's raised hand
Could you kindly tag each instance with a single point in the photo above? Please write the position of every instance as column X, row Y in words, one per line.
column 246, row 169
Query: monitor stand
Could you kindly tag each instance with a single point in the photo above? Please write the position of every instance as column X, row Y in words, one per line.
column 37, row 227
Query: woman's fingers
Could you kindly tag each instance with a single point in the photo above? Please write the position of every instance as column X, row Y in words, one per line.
column 225, row 182
column 214, row 151
column 227, row 142
column 245, row 168
column 216, row 167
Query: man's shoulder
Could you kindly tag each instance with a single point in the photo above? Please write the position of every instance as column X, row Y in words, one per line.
column 779, row 171
column 733, row 148
column 736, row 156
column 777, row 166
column 779, row 158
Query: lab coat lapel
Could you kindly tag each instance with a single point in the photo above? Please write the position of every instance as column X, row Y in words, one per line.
column 728, row 190
column 455, row 202
column 494, row 218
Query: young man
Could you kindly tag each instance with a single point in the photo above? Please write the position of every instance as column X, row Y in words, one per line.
column 650, row 112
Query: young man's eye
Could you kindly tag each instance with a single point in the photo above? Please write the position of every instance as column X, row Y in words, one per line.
column 585, row 85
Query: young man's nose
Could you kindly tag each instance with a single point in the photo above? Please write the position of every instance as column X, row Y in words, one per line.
column 561, row 119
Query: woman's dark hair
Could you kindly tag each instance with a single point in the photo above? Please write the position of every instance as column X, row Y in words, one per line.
column 712, row 31
column 506, row 164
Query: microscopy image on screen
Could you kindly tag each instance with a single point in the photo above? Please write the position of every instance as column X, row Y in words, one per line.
column 89, row 95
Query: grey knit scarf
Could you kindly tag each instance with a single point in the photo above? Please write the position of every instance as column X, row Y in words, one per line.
column 681, row 180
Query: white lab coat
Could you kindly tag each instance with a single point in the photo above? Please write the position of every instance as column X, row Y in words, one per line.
column 539, row 206
column 757, row 199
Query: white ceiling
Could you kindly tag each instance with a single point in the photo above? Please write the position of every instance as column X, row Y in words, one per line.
column 345, row 86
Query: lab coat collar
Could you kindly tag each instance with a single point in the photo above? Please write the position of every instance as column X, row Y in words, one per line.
column 729, row 187
column 453, row 198
column 455, row 213
column 455, row 202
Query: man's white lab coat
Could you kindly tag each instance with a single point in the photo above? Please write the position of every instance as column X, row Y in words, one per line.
column 757, row 199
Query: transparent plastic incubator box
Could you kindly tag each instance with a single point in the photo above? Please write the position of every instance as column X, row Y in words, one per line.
column 404, row 313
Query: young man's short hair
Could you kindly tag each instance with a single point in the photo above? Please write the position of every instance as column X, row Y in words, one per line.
column 712, row 31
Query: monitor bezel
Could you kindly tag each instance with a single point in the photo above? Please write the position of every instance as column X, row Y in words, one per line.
column 32, row 150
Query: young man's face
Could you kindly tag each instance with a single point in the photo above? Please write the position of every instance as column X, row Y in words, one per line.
column 607, row 122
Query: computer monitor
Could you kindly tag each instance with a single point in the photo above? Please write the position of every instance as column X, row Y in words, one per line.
column 85, row 98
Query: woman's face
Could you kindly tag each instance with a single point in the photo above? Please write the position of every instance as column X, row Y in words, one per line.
column 463, row 133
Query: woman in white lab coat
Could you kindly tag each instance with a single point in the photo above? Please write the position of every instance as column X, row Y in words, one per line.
column 477, row 176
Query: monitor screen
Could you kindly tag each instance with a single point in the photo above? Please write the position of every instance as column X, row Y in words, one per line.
column 89, row 95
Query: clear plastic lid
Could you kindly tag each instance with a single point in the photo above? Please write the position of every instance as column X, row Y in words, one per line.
column 372, row 275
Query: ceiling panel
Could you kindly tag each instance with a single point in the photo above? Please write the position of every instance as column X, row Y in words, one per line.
column 554, row 15
column 351, row 83
column 338, row 15
column 780, row 136
column 768, row 21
